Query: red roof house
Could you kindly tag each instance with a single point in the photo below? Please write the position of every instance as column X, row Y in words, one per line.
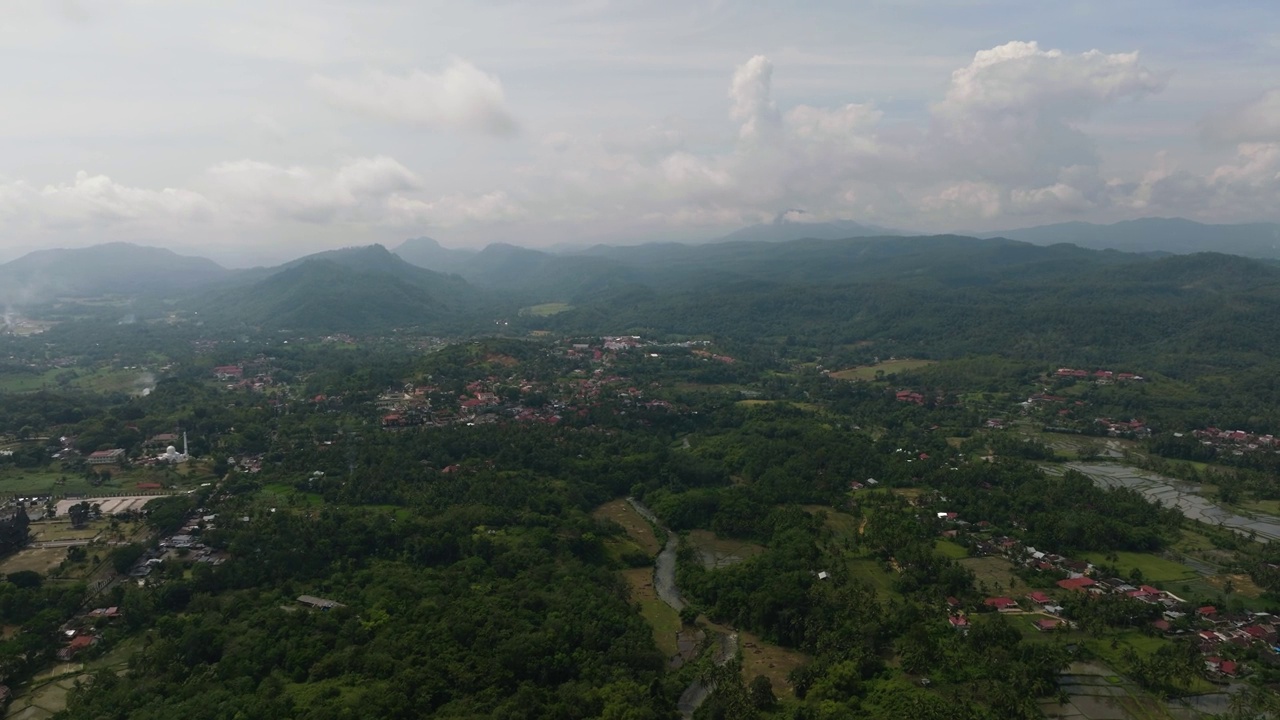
column 1039, row 597
column 1080, row 583
column 1003, row 604
column 958, row 621
column 1207, row 611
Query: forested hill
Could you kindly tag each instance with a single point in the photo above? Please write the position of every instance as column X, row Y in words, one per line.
column 1060, row 304
column 113, row 268
column 1173, row 235
column 353, row 290
column 936, row 296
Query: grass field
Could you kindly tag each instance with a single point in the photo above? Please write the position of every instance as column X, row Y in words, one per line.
column 664, row 621
column 995, row 573
column 1143, row 645
column 288, row 495
column 807, row 407
column 40, row 560
column 888, row 367
column 946, row 548
column 716, row 551
column 869, row 570
column 638, row 529
column 53, row 480
column 765, row 658
column 545, row 309
column 1154, row 568
column 102, row 380
column 842, row 524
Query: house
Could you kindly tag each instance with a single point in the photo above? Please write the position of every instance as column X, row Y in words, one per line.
column 77, row 644
column 319, row 603
column 1217, row 664
column 1049, row 624
column 958, row 622
column 1001, row 604
column 162, row 440
column 1207, row 611
column 106, row 457
column 953, row 602
column 107, row 612
column 1162, row 625
column 228, row 372
column 1080, row 583
column 1038, row 597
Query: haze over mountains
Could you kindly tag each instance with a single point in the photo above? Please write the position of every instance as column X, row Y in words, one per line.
column 785, row 268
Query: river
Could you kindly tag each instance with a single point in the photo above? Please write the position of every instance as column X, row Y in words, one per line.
column 664, row 570
column 664, row 583
column 1171, row 492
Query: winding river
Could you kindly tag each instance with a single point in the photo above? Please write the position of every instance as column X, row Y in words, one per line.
column 664, row 583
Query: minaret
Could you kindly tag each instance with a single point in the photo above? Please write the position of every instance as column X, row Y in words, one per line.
column 184, row 446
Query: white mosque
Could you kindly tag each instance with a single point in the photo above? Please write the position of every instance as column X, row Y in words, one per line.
column 172, row 456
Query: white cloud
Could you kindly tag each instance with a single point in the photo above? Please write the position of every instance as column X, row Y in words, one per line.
column 358, row 190
column 1257, row 120
column 751, row 95
column 458, row 97
column 1012, row 114
column 92, row 201
column 454, row 210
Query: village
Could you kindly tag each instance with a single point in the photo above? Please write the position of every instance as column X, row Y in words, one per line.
column 1219, row 635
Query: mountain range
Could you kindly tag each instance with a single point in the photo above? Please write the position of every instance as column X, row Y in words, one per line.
column 756, row 285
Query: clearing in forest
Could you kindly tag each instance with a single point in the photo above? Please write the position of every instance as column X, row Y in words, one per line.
column 664, row 621
column 888, row 367
column 717, row 552
column 955, row 551
column 760, row 657
column 994, row 573
column 638, row 529
column 545, row 309
column 842, row 524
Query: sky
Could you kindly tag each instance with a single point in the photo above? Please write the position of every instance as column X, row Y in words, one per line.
column 254, row 132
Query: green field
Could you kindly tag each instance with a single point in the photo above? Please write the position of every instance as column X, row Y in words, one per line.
column 1111, row 650
column 102, row 380
column 888, row 367
column 952, row 550
column 545, row 309
column 867, row 569
column 664, row 621
column 53, row 480
column 287, row 495
column 1154, row 568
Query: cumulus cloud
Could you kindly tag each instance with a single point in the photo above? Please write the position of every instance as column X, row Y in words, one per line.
column 751, row 94
column 454, row 210
column 458, row 97
column 96, row 200
column 1257, row 120
column 356, row 190
column 1007, row 138
column 1012, row 114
